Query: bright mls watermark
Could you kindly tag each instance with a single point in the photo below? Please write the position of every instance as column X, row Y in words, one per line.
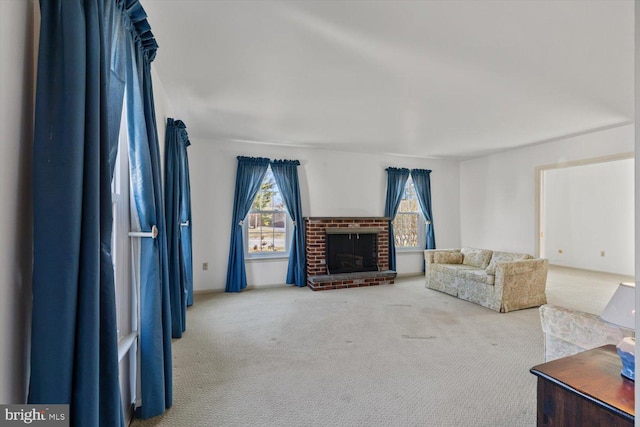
column 36, row 415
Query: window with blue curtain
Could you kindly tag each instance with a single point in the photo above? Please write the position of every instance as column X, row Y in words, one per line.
column 178, row 216
column 408, row 228
column 156, row 393
column 250, row 180
column 74, row 353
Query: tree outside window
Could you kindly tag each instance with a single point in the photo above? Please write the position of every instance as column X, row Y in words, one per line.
column 266, row 222
column 409, row 223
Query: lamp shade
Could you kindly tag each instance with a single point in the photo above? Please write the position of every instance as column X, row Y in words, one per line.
column 621, row 309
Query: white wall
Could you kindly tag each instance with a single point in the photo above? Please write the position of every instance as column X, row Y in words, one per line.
column 497, row 192
column 588, row 210
column 332, row 184
column 17, row 41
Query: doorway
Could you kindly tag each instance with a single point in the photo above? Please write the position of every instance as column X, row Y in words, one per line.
column 585, row 214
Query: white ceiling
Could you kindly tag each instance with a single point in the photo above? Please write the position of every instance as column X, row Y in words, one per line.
column 440, row 79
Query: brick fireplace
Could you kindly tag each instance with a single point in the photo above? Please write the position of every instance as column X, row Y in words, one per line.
column 319, row 276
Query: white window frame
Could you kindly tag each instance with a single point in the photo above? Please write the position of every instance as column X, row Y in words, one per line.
column 126, row 292
column 422, row 225
column 268, row 254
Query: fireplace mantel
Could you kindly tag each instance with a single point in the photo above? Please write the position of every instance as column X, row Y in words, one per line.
column 352, row 230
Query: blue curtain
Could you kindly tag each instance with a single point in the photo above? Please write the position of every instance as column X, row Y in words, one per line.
column 74, row 353
column 251, row 172
column 178, row 215
column 285, row 173
column 186, row 222
column 146, row 186
column 396, row 180
column 422, row 183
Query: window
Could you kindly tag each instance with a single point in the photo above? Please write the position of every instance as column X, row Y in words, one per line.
column 267, row 225
column 409, row 223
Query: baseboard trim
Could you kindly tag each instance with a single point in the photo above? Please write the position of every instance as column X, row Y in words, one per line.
column 248, row 288
column 203, row 292
column 207, row 291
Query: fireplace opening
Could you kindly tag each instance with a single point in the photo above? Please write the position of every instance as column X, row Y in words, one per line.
column 351, row 252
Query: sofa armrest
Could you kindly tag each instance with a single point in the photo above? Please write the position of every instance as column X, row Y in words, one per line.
column 429, row 253
column 522, row 277
column 567, row 332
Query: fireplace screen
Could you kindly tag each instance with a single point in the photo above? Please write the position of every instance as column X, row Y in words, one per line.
column 352, row 252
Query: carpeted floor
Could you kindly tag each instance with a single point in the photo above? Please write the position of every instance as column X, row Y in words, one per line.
column 582, row 290
column 396, row 355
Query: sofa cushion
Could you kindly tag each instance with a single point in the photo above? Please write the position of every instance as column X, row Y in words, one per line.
column 504, row 256
column 451, row 269
column 447, row 258
column 476, row 275
column 476, row 257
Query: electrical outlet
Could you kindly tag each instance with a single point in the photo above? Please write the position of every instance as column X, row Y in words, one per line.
column 601, row 253
column 205, row 265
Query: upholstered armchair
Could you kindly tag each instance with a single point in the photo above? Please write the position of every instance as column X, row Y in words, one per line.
column 567, row 332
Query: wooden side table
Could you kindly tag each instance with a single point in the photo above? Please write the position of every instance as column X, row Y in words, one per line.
column 585, row 389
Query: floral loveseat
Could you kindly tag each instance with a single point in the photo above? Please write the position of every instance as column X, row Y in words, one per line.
column 501, row 281
column 568, row 332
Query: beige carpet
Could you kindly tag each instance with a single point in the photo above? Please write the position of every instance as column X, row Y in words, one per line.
column 396, row 355
column 582, row 290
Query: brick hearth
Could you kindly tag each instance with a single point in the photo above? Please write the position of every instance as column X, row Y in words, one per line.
column 317, row 275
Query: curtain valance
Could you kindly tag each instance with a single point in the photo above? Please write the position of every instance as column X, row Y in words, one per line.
column 286, row 162
column 136, row 22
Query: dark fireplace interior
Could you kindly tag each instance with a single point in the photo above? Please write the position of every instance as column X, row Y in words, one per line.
column 352, row 252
